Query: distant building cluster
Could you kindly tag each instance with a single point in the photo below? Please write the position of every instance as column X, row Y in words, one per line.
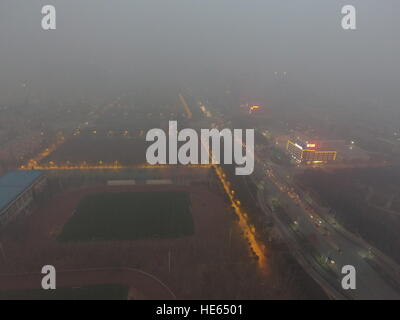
column 20, row 146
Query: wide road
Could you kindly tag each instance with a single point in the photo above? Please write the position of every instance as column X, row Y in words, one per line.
column 317, row 241
column 325, row 248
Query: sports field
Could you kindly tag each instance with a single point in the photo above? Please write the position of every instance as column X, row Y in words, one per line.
column 129, row 216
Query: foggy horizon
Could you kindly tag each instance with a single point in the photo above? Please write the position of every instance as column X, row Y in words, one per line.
column 200, row 150
column 99, row 46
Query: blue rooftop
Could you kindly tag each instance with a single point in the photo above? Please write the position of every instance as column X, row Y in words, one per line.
column 14, row 183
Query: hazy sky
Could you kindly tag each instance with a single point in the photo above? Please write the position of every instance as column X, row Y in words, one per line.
column 113, row 43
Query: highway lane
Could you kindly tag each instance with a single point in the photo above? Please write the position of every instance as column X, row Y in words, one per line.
column 336, row 249
column 325, row 242
column 331, row 245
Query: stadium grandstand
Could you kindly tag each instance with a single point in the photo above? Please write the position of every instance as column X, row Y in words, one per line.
column 18, row 190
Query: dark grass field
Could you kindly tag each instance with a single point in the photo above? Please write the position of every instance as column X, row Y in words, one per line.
column 95, row 292
column 91, row 149
column 130, row 216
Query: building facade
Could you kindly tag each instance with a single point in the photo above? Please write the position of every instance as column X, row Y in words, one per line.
column 310, row 152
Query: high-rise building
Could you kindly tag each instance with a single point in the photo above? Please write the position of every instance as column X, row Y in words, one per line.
column 310, row 152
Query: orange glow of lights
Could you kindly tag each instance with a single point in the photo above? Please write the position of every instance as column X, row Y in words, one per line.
column 112, row 166
column 248, row 230
column 33, row 163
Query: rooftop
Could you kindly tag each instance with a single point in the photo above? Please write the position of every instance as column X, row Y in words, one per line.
column 14, row 183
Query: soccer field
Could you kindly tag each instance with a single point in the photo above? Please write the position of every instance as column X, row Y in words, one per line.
column 130, row 215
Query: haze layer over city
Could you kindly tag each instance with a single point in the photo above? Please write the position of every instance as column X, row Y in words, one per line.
column 300, row 198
